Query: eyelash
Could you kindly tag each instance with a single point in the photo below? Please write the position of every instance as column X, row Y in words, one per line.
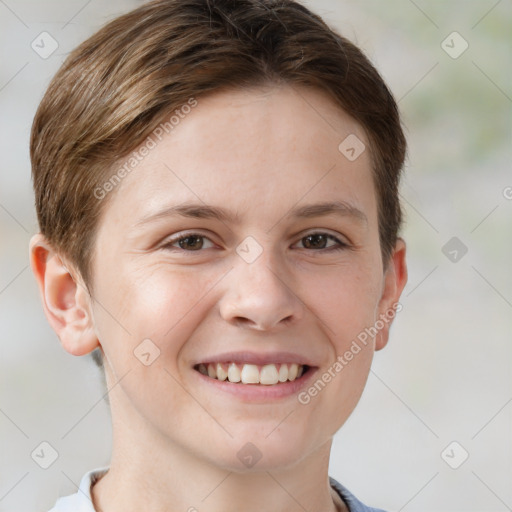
column 340, row 245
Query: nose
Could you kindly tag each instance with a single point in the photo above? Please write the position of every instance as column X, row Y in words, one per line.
column 260, row 296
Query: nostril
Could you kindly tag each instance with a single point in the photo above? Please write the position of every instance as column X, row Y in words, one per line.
column 241, row 321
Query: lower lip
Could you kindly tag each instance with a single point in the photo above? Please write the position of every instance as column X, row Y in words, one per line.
column 259, row 392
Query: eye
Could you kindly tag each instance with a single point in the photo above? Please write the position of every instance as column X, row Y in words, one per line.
column 319, row 241
column 193, row 242
column 189, row 242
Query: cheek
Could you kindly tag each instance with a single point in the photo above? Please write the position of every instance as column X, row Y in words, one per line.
column 344, row 298
column 145, row 318
column 346, row 387
column 157, row 303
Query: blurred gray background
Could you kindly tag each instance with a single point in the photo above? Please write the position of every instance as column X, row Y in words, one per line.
column 445, row 376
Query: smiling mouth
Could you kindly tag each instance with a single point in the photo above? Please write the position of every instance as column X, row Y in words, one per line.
column 267, row 375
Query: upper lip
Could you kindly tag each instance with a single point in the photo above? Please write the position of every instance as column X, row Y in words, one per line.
column 257, row 358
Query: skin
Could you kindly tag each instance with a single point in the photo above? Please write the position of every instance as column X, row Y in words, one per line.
column 175, row 442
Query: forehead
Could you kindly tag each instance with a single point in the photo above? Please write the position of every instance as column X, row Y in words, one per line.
column 269, row 120
column 255, row 150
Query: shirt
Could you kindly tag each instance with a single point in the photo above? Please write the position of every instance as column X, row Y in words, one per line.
column 81, row 501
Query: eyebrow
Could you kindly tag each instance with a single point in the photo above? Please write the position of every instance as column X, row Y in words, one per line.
column 203, row 211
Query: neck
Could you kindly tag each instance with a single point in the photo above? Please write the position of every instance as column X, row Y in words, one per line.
column 147, row 476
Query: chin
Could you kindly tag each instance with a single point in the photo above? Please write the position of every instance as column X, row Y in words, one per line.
column 253, row 452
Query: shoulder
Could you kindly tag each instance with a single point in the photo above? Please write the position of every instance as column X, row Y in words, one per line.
column 353, row 504
column 81, row 500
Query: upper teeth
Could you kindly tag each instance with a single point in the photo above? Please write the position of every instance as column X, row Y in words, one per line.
column 251, row 373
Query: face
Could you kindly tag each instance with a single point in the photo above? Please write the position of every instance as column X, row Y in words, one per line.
column 249, row 268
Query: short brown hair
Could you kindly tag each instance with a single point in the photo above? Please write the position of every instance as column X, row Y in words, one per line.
column 115, row 88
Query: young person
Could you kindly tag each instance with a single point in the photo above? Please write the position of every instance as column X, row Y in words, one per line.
column 217, row 192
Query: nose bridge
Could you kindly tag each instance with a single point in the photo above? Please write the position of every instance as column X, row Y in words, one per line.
column 257, row 257
column 258, row 292
column 263, row 273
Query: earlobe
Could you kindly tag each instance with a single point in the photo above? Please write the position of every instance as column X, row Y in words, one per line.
column 395, row 280
column 65, row 300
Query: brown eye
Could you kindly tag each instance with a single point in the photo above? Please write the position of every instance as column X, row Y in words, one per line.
column 315, row 241
column 320, row 240
column 193, row 242
column 189, row 243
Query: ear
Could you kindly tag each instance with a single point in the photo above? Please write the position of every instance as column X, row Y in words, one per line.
column 395, row 279
column 66, row 301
